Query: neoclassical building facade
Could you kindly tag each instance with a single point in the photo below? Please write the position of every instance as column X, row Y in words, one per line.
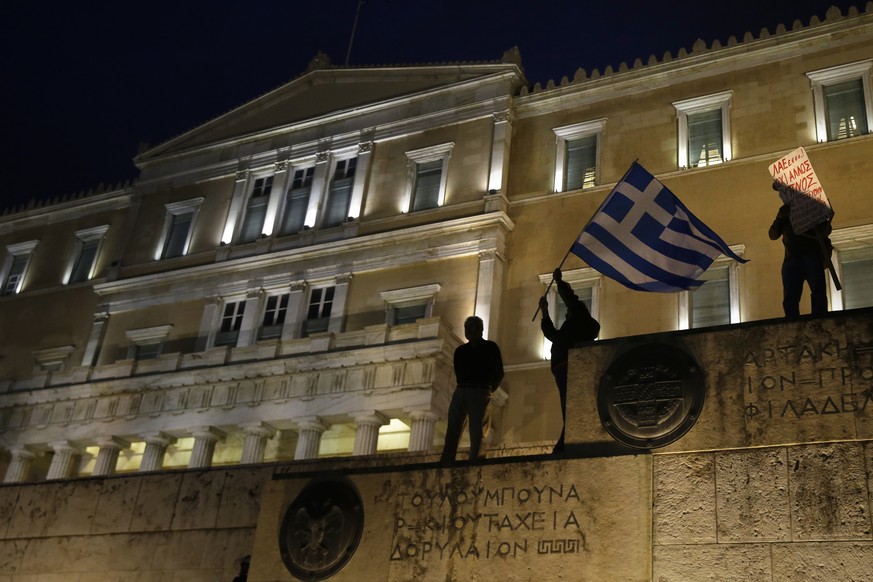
column 289, row 280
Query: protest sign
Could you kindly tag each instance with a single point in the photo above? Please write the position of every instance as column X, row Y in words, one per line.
column 800, row 189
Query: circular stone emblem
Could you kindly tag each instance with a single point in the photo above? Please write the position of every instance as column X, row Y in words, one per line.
column 651, row 395
column 321, row 529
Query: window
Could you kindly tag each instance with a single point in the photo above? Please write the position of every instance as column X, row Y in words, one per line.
column 410, row 304
column 15, row 266
column 51, row 359
column 231, row 321
column 147, row 343
column 256, row 209
column 178, row 227
column 426, row 183
column 318, row 314
column 585, row 284
column 842, row 100
column 275, row 312
column 297, row 202
column 88, row 244
column 704, row 130
column 577, row 160
column 717, row 301
column 339, row 194
column 853, row 261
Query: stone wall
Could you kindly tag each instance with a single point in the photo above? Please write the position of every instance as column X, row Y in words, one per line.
column 185, row 525
column 769, row 482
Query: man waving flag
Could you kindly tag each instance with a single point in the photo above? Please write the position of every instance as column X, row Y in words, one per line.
column 646, row 239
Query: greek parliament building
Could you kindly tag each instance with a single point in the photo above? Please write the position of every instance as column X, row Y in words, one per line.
column 276, row 299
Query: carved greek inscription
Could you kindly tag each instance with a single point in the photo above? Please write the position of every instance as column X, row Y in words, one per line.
column 807, row 380
column 487, row 523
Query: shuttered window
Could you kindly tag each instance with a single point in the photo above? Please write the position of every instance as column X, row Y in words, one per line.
column 256, row 210
column 340, row 193
column 85, row 260
column 705, row 138
column 845, row 109
column 857, row 278
column 297, row 202
column 711, row 302
column 180, row 225
column 427, row 185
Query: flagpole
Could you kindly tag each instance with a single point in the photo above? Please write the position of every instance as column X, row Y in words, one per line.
column 567, row 254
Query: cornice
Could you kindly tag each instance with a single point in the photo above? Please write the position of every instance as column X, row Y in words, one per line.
column 712, row 62
column 70, row 210
column 363, row 246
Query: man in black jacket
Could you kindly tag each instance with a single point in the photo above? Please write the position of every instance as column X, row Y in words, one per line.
column 578, row 327
column 478, row 370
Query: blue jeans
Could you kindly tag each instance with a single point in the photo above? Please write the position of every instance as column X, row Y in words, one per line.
column 796, row 270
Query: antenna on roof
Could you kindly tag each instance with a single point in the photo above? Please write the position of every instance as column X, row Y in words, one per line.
column 354, row 27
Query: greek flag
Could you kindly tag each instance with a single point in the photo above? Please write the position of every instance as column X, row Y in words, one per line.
column 646, row 239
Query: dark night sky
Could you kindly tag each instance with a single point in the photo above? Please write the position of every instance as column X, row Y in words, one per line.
column 85, row 82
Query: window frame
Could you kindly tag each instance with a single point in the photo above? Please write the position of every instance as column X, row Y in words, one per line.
column 174, row 209
column 246, row 211
column 329, row 193
column 397, row 299
column 83, row 237
column 231, row 336
column 684, row 316
column 14, row 251
column 844, row 240
column 305, row 325
column 286, row 198
column 832, row 76
column 274, row 330
column 414, row 158
column 704, row 104
column 147, row 337
column 563, row 136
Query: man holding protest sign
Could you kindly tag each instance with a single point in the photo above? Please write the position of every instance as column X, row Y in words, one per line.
column 803, row 223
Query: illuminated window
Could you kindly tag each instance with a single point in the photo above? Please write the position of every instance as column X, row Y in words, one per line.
column 231, row 321
column 256, row 209
column 178, row 226
column 577, row 160
column 275, row 311
column 410, row 304
column 427, row 175
column 339, row 194
column 842, row 99
column 853, row 260
column 717, row 301
column 297, row 202
column 704, row 130
column 15, row 266
column 318, row 314
column 87, row 248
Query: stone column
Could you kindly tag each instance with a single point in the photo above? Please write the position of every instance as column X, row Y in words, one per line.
column 251, row 318
column 155, row 449
column 95, row 338
column 296, row 312
column 320, row 180
column 205, row 438
column 19, row 465
column 209, row 323
column 63, row 461
column 367, row 432
column 281, row 177
column 107, row 456
column 309, row 431
column 338, row 309
column 500, row 149
column 488, row 288
column 365, row 152
column 236, row 206
column 421, row 435
column 255, row 442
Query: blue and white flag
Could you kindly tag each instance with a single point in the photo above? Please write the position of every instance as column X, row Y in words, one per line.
column 646, row 239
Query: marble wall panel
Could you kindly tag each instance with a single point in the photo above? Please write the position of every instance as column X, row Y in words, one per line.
column 156, row 502
column 722, row 562
column 822, row 562
column 199, row 499
column 752, row 495
column 115, row 505
column 828, row 489
column 684, row 499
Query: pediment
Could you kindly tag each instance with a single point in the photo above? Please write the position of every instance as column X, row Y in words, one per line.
column 320, row 93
